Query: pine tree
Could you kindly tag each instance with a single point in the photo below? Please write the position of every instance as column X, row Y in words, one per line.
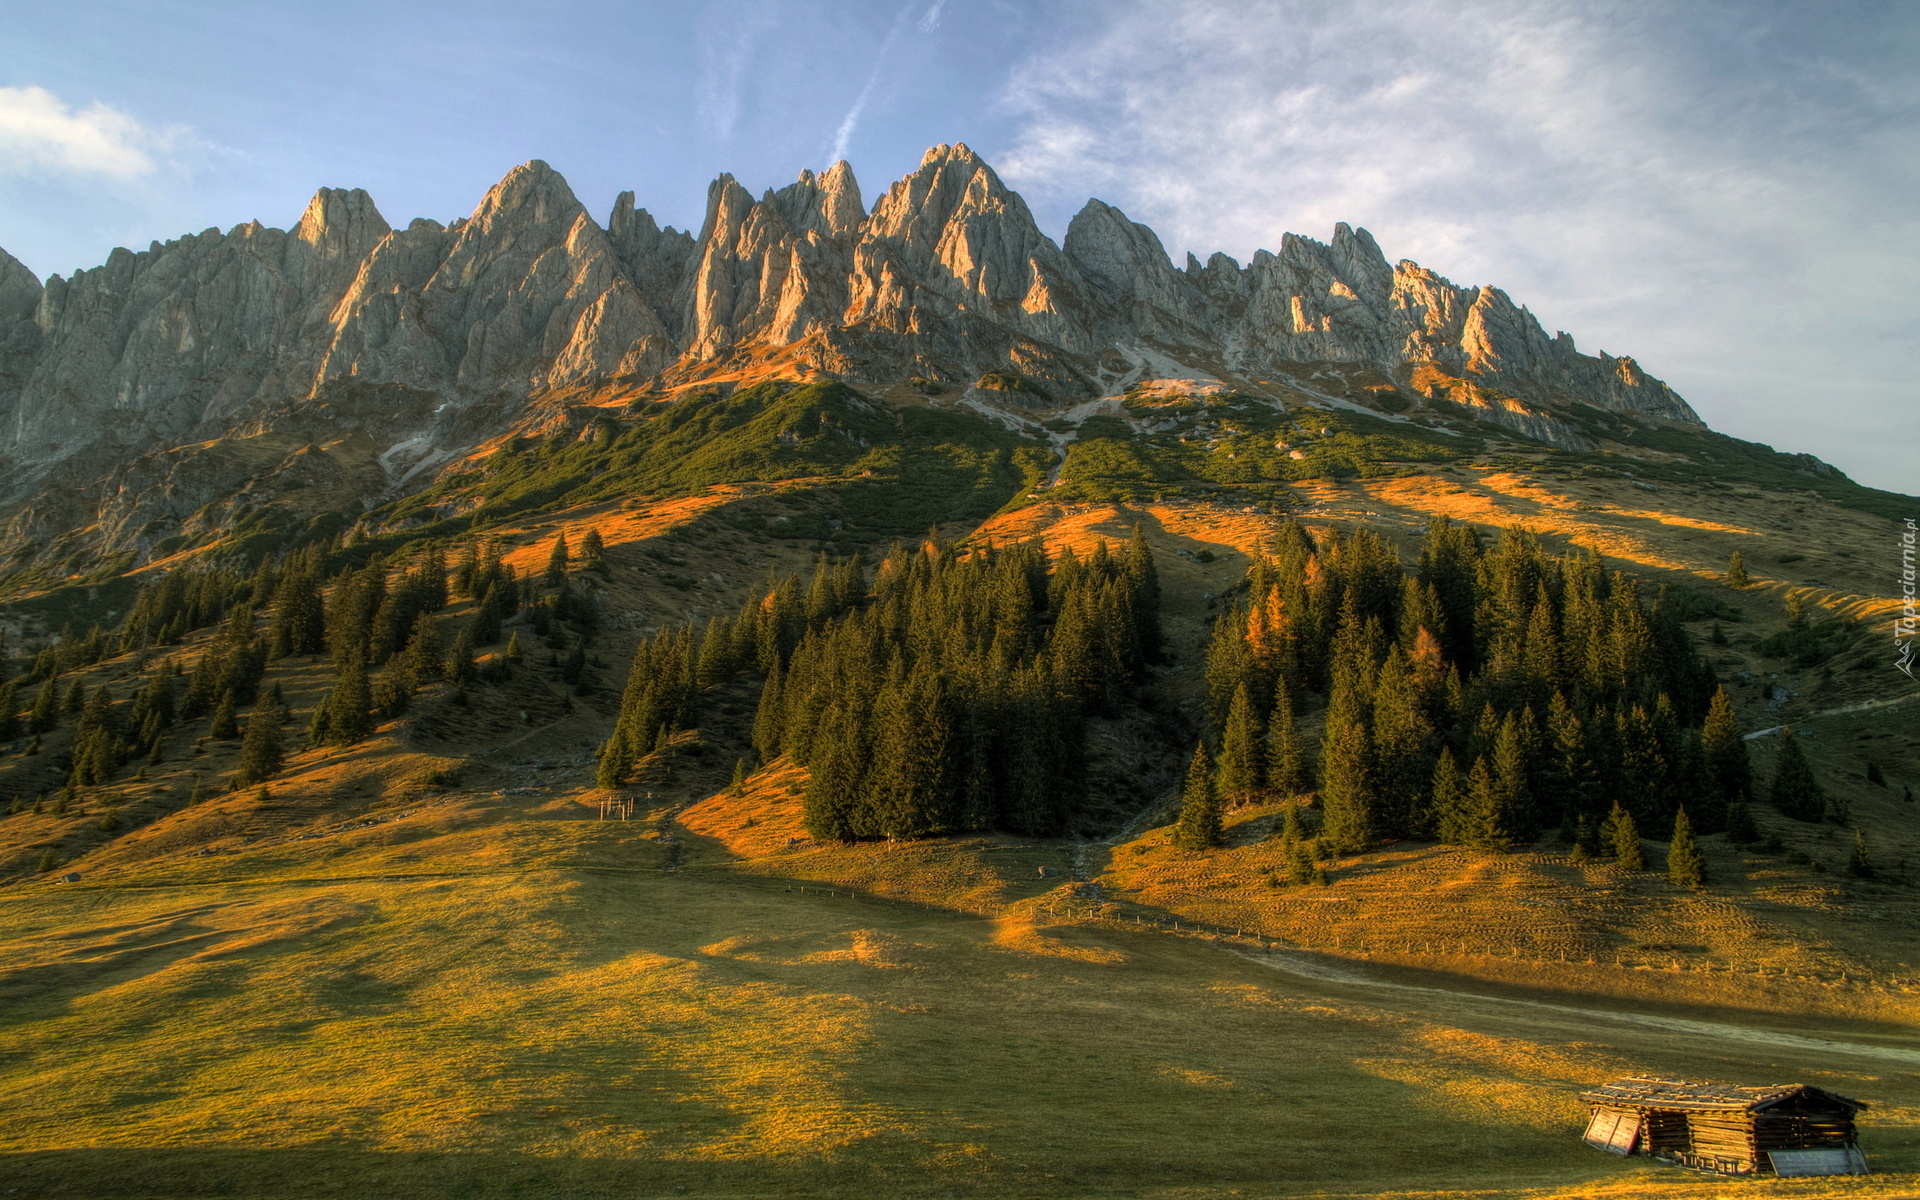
column 224, row 724
column 424, row 659
column 459, row 665
column 1287, row 770
column 45, row 713
column 1860, row 863
column 349, row 707
column 1484, row 823
column 513, row 647
column 1512, row 773
column 1728, row 769
column 737, row 786
column 1736, row 570
column 392, row 693
column 1144, row 579
column 1796, row 607
column 1242, row 766
column 592, row 548
column 1685, row 866
column 556, row 573
column 1447, row 801
column 1874, row 775
column 1199, row 825
column 1623, row 838
column 769, row 720
column 1291, row 828
column 1347, row 794
column 1300, row 865
column 1796, row 793
column 837, row 777
column 261, row 755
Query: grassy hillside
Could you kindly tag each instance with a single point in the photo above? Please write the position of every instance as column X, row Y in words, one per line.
column 419, row 964
column 494, row 996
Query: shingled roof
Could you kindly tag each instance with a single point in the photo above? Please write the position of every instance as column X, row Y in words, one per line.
column 1685, row 1095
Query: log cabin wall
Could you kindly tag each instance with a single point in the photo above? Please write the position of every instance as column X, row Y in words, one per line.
column 1667, row 1133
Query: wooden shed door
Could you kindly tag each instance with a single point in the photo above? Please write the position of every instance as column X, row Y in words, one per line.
column 1845, row 1160
column 1614, row 1130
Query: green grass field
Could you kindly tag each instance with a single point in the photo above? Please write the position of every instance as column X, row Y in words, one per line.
column 498, row 998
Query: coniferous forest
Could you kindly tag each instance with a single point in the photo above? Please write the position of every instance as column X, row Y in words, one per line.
column 1489, row 695
column 1485, row 695
column 948, row 695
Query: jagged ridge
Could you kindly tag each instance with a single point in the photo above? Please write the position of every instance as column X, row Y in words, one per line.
column 350, row 341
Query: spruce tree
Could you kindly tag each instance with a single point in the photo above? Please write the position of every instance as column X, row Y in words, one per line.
column 349, row 706
column 459, row 665
column 1728, row 768
column 1796, row 607
column 261, row 754
column 1484, row 823
column 556, row 573
column 1300, row 865
column 1623, row 838
column 1874, row 775
column 1347, row 794
column 837, row 776
column 1144, row 578
column 616, row 759
column 1736, row 576
column 9, row 710
column 1291, row 828
column 1512, row 775
column 424, row 659
column 1796, row 793
column 1860, row 863
column 224, row 724
column 1199, row 825
column 392, row 695
column 45, row 714
column 1685, row 866
column 1452, row 820
column 1287, row 770
column 1242, row 766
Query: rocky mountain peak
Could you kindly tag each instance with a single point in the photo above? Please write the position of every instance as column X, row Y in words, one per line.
column 341, row 223
column 948, row 277
column 19, row 290
column 828, row 204
column 532, row 194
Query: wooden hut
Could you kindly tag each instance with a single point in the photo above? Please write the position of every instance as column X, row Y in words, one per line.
column 1788, row 1129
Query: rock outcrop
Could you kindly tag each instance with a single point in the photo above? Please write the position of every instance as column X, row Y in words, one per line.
column 418, row 341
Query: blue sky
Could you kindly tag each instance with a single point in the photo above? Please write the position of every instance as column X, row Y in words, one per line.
column 1726, row 191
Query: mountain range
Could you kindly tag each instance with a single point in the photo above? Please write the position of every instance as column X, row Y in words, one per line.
column 351, row 355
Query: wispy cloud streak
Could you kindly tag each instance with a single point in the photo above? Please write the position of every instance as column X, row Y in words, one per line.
column 851, row 121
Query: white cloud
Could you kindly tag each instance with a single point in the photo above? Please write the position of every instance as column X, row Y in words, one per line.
column 39, row 133
column 1718, row 189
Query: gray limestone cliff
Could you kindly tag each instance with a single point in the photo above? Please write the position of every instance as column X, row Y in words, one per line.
column 344, row 343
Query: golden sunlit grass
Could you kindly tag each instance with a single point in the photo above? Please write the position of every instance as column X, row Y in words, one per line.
column 553, row 1032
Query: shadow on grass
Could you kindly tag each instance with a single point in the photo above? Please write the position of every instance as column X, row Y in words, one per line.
column 98, row 1173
